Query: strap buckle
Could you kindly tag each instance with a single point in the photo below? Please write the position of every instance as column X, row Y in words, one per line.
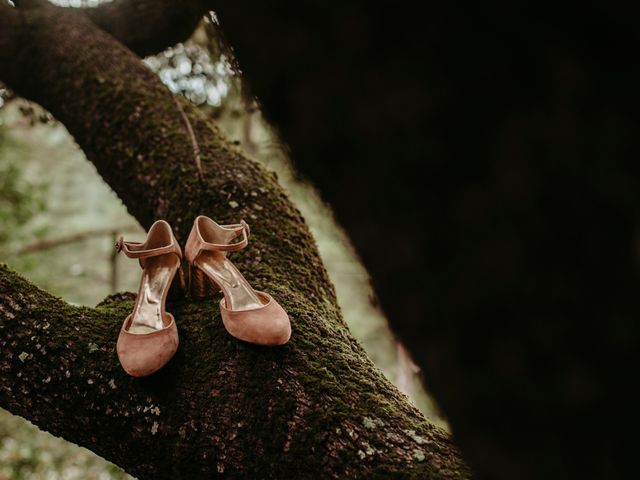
column 247, row 229
column 119, row 244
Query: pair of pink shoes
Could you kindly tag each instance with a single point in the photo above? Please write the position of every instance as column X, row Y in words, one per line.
column 149, row 337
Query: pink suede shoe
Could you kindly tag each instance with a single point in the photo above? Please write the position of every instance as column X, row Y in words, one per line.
column 149, row 337
column 247, row 314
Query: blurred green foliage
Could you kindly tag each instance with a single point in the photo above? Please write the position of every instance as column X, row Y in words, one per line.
column 20, row 199
column 27, row 453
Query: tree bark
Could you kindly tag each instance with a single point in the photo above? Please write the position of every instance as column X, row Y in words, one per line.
column 316, row 407
column 148, row 26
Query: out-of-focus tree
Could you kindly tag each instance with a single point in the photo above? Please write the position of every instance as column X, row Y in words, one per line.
column 20, row 199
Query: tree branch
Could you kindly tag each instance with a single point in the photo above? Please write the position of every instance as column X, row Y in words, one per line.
column 317, row 406
column 9, row 24
column 146, row 27
column 219, row 407
column 149, row 26
column 73, row 238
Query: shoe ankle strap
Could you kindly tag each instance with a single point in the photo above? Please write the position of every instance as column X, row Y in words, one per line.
column 207, row 235
column 236, row 229
column 137, row 250
column 159, row 233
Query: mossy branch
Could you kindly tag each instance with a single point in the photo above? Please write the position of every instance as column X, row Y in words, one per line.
column 221, row 407
column 315, row 408
column 149, row 26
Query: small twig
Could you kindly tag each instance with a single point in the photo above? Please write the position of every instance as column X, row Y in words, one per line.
column 194, row 142
column 56, row 242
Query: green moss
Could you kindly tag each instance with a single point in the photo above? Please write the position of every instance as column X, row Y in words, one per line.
column 296, row 411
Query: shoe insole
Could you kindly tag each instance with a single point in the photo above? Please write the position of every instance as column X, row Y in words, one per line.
column 148, row 313
column 238, row 293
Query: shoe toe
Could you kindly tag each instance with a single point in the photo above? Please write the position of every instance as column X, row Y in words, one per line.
column 143, row 354
column 268, row 325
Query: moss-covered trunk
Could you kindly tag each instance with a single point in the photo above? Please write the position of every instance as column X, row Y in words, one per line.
column 493, row 153
column 315, row 408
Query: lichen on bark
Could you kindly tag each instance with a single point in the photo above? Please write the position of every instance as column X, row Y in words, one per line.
column 315, row 407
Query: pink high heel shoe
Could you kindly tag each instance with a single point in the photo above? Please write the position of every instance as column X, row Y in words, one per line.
column 247, row 314
column 149, row 337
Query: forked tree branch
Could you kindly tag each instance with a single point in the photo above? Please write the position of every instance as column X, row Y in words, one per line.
column 314, row 408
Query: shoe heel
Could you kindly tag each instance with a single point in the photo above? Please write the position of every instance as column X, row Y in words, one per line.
column 200, row 285
column 178, row 286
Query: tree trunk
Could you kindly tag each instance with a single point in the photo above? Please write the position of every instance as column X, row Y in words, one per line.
column 316, row 407
column 483, row 160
